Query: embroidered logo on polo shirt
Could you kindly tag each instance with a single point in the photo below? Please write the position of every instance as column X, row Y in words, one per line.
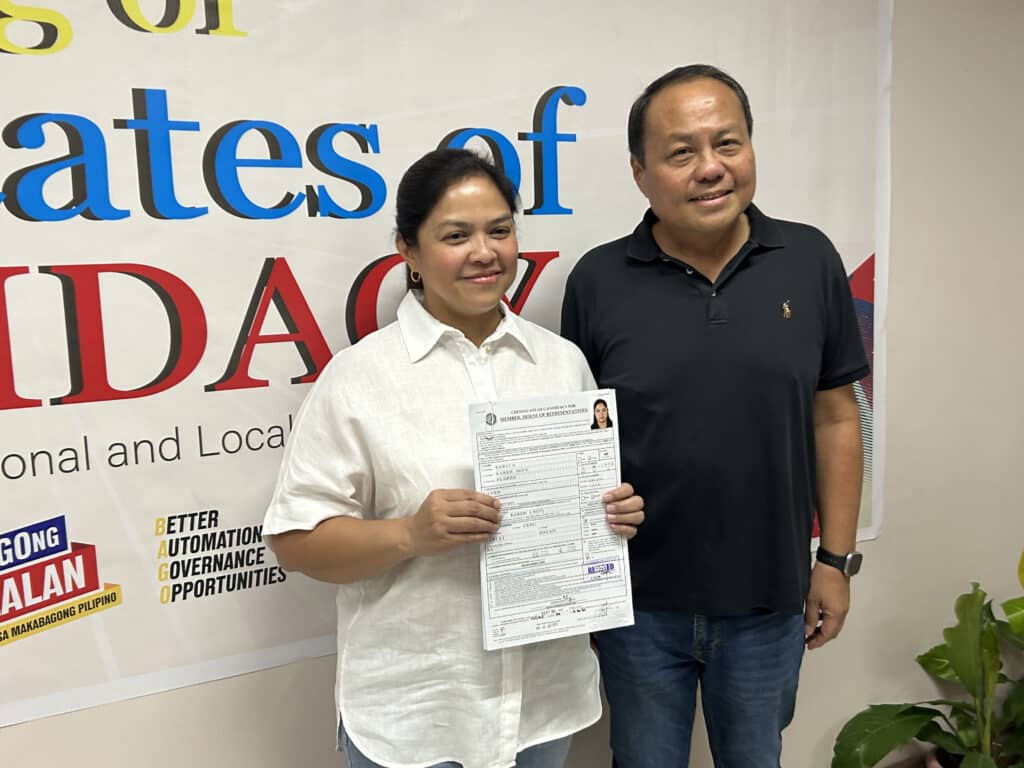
column 786, row 311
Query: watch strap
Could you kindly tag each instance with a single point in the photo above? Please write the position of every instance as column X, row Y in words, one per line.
column 848, row 564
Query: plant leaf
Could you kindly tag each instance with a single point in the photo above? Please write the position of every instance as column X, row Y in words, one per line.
column 953, row 704
column 873, row 733
column 978, row 760
column 964, row 640
column 991, row 665
column 1012, row 744
column 1013, row 705
column 935, row 662
column 966, row 722
column 1020, row 570
column 933, row 733
column 1008, row 636
column 988, row 616
column 1014, row 610
column 991, row 659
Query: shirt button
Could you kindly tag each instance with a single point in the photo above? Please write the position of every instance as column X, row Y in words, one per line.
column 714, row 293
column 689, row 270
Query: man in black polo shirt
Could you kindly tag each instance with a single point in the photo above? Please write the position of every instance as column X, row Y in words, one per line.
column 732, row 343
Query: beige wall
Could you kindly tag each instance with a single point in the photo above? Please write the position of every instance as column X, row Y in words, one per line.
column 955, row 457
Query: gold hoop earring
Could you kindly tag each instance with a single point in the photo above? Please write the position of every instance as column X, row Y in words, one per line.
column 415, row 276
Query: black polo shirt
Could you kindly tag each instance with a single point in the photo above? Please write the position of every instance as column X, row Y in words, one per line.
column 715, row 385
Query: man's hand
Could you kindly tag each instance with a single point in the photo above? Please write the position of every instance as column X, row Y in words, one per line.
column 828, row 602
column 624, row 510
column 452, row 518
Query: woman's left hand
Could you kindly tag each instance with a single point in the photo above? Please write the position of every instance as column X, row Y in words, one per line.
column 624, row 510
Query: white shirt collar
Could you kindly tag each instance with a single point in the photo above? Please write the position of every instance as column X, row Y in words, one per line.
column 421, row 331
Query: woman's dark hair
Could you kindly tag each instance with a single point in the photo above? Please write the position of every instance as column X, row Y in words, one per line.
column 598, row 402
column 638, row 113
column 426, row 181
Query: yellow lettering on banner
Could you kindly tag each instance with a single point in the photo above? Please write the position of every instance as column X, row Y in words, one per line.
column 177, row 14
column 220, row 20
column 161, row 526
column 55, row 616
column 55, row 27
column 165, row 594
column 161, row 572
column 161, row 551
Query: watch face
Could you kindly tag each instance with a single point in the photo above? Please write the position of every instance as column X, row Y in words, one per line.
column 853, row 561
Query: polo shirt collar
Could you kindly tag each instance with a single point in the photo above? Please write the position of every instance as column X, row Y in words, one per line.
column 421, row 331
column 764, row 233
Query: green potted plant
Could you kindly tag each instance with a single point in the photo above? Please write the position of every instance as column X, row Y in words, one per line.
column 970, row 731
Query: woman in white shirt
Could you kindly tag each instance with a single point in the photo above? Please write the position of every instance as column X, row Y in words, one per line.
column 374, row 494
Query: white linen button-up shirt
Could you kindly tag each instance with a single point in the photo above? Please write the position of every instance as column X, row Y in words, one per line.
column 386, row 423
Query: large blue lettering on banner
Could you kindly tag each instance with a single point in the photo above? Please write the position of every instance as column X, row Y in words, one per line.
column 84, row 165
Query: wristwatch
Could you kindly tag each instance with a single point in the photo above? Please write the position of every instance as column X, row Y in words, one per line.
column 849, row 564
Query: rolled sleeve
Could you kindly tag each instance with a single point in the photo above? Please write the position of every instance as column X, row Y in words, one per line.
column 326, row 471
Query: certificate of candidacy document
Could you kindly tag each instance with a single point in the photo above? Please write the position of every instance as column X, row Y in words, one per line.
column 554, row 568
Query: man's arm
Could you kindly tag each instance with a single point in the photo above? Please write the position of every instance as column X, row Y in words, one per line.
column 840, row 471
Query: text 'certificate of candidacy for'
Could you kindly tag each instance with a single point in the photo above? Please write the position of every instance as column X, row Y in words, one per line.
column 554, row 568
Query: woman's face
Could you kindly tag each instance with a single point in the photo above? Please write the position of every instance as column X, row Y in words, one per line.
column 601, row 415
column 466, row 253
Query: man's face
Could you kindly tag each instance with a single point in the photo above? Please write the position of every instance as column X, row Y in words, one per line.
column 698, row 172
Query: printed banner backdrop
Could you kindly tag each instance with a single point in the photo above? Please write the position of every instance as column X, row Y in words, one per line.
column 197, row 211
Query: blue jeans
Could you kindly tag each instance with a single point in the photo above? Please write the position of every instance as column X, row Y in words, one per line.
column 747, row 668
column 550, row 754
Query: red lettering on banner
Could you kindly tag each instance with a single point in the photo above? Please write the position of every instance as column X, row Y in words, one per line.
column 361, row 308
column 48, row 582
column 8, row 397
column 535, row 263
column 84, row 319
column 276, row 283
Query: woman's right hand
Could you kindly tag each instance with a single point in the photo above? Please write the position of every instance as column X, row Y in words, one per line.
column 450, row 518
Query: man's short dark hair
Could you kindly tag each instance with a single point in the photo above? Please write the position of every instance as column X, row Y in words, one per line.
column 638, row 112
